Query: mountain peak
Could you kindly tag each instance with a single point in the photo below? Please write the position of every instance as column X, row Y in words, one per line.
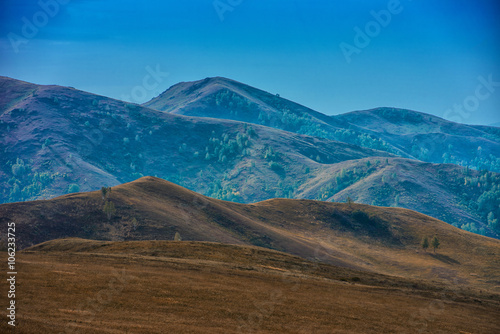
column 206, row 82
column 183, row 94
column 223, row 98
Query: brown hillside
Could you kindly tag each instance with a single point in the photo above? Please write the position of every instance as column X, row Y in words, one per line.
column 378, row 239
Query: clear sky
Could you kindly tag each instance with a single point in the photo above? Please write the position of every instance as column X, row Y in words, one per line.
column 435, row 56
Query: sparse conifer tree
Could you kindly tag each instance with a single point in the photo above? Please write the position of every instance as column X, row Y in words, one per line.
column 105, row 191
column 435, row 243
column 425, row 243
column 177, row 236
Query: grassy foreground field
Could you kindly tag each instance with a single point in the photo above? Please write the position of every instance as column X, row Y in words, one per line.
column 83, row 286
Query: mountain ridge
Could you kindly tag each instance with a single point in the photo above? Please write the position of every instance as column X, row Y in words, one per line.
column 385, row 130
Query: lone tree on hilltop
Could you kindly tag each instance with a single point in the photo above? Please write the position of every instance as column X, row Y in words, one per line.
column 435, row 243
column 425, row 243
column 105, row 191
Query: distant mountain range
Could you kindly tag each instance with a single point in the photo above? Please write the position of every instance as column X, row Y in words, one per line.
column 406, row 133
column 234, row 142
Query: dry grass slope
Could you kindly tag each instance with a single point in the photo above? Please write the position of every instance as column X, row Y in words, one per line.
column 85, row 286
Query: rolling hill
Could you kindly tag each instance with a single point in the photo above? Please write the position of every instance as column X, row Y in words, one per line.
column 56, row 140
column 361, row 237
column 406, row 133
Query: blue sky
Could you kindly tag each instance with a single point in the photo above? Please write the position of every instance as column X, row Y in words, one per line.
column 435, row 56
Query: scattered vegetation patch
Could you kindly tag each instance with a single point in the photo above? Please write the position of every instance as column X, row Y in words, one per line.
column 479, row 193
column 27, row 182
column 224, row 148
